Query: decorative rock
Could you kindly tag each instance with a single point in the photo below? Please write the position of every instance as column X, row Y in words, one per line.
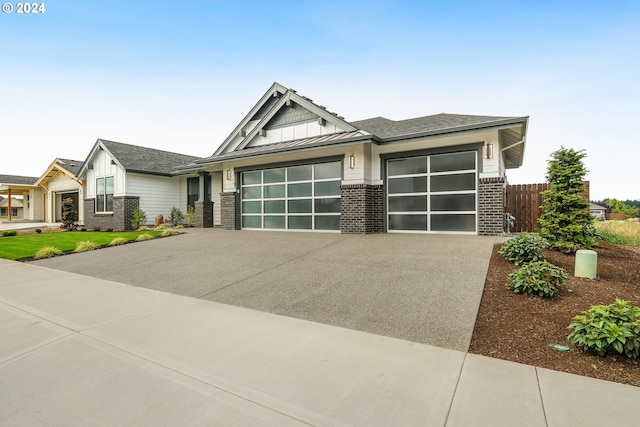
column 159, row 221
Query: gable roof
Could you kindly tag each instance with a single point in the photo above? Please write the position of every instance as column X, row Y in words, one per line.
column 17, row 180
column 15, row 203
column 270, row 104
column 379, row 130
column 137, row 159
column 68, row 167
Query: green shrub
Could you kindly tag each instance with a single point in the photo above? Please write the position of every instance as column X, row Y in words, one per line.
column 538, row 277
column 168, row 232
column 191, row 215
column 565, row 218
column 69, row 214
column 161, row 227
column 48, row 252
column 179, row 226
column 84, row 246
column 143, row 228
column 176, row 216
column 8, row 233
column 118, row 241
column 143, row 237
column 138, row 218
column 603, row 329
column 523, row 248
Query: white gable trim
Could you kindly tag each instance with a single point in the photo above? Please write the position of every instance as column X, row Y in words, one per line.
column 275, row 90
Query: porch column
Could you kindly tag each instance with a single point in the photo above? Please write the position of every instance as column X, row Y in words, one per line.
column 204, row 205
column 9, row 205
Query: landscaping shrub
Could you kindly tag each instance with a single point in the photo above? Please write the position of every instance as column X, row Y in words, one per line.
column 47, row 252
column 138, row 218
column 168, row 232
column 84, row 246
column 108, row 229
column 96, row 228
column 523, row 248
column 538, row 277
column 191, row 215
column 160, row 227
column 176, row 216
column 143, row 237
column 38, row 231
column 143, row 228
column 69, row 214
column 565, row 218
column 118, row 241
column 8, row 233
column 603, row 329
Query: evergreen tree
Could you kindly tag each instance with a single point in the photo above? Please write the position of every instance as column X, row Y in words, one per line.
column 69, row 214
column 566, row 221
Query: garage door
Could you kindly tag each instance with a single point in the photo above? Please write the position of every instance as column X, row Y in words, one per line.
column 433, row 193
column 302, row 197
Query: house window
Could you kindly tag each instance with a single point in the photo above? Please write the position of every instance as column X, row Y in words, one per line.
column 14, row 211
column 3, row 211
column 104, row 194
column 193, row 185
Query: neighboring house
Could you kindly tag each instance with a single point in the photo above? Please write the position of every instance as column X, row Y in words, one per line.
column 60, row 182
column 16, row 209
column 25, row 189
column 121, row 177
column 597, row 211
column 291, row 164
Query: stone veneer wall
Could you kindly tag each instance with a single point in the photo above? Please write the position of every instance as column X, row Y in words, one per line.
column 491, row 206
column 119, row 220
column 361, row 209
column 228, row 211
column 204, row 214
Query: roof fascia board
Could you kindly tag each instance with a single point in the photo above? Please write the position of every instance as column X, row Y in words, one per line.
column 351, row 141
column 292, row 96
column 55, row 165
column 275, row 88
column 498, row 125
column 168, row 174
column 85, row 164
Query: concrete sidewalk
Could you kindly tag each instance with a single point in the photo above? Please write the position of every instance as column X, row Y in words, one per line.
column 76, row 350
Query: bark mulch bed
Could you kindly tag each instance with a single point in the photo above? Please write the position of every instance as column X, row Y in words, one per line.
column 521, row 328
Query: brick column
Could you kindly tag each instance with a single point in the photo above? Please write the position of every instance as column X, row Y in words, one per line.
column 228, row 211
column 491, row 206
column 204, row 214
column 361, row 209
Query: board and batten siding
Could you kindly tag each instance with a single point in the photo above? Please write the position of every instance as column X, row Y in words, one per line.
column 103, row 166
column 158, row 194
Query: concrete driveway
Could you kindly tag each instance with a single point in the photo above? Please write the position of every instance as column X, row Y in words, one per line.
column 421, row 288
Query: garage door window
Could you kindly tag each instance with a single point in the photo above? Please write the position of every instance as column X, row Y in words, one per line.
column 434, row 193
column 304, row 197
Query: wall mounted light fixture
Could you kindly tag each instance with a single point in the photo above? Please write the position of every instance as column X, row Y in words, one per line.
column 352, row 162
column 488, row 151
column 229, row 175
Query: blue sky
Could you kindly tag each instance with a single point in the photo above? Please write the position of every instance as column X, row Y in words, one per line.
column 179, row 76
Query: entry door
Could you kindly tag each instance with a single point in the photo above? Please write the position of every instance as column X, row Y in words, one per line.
column 433, row 193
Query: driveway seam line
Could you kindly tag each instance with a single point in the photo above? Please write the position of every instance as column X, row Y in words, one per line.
column 544, row 412
column 269, row 269
column 455, row 390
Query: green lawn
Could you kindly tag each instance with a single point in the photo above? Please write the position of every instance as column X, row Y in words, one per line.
column 21, row 247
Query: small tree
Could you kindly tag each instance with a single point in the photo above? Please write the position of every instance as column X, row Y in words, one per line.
column 176, row 216
column 566, row 222
column 138, row 218
column 69, row 214
column 191, row 215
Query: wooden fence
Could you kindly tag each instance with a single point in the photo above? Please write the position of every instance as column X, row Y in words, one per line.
column 524, row 202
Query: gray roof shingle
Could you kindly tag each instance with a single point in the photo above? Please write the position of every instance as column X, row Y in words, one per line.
column 72, row 166
column 146, row 160
column 386, row 128
column 18, row 180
